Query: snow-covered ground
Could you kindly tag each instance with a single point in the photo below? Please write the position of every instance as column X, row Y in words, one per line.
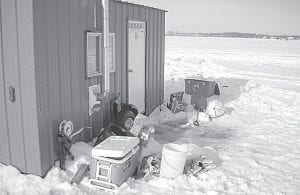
column 255, row 145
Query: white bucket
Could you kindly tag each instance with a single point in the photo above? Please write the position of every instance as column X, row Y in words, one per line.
column 173, row 160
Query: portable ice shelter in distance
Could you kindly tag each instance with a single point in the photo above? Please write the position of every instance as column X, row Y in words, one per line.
column 51, row 69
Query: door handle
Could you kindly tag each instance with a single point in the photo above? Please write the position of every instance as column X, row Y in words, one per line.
column 12, row 94
column 130, row 70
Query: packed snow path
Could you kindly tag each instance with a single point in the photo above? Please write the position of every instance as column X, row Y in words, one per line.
column 256, row 144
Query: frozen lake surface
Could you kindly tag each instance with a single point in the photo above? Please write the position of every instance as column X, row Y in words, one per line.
column 255, row 145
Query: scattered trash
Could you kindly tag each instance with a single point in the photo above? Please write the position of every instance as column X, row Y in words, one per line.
column 176, row 104
column 215, row 109
column 145, row 134
column 151, row 166
column 197, row 165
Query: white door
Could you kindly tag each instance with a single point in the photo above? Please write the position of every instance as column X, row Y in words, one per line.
column 137, row 64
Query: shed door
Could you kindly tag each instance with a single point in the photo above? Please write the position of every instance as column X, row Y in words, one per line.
column 136, row 64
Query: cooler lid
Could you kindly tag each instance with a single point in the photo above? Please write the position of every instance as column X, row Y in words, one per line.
column 115, row 146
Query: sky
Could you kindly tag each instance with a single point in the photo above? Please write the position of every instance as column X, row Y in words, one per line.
column 255, row 16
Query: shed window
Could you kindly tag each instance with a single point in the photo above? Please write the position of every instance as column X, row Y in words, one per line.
column 95, row 54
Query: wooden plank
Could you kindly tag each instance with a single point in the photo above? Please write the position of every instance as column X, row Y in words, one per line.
column 11, row 71
column 4, row 138
column 27, row 85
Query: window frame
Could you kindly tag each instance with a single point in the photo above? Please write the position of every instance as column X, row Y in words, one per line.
column 112, row 67
column 88, row 73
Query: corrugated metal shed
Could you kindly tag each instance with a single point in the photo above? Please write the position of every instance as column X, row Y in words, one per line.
column 120, row 12
column 44, row 59
column 19, row 140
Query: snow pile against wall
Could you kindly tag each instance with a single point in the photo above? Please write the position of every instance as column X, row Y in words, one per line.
column 55, row 182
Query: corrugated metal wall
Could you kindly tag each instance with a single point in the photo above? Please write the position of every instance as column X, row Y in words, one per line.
column 44, row 59
column 62, row 87
column 120, row 12
column 19, row 142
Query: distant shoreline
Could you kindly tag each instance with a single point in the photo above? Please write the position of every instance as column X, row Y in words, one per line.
column 235, row 35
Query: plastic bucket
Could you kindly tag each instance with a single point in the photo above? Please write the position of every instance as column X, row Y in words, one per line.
column 173, row 160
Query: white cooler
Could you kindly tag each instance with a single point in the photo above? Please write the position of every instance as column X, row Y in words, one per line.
column 113, row 161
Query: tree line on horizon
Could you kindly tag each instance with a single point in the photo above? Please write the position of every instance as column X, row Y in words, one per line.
column 234, row 35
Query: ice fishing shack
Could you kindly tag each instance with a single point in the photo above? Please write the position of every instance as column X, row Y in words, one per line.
column 58, row 58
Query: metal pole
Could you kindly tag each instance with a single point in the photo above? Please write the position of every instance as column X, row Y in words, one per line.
column 105, row 5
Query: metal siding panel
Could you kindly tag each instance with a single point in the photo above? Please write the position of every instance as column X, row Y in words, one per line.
column 129, row 15
column 60, row 27
column 53, row 76
column 67, row 77
column 156, row 53
column 4, row 138
column 97, row 118
column 11, row 71
column 130, row 11
column 112, row 29
column 148, row 61
column 135, row 12
column 64, row 60
column 112, row 17
column 140, row 11
column 27, row 85
column 83, row 85
column 74, row 65
column 154, row 57
column 43, row 82
column 142, row 14
column 79, row 61
column 99, row 17
column 162, row 37
column 119, row 51
column 162, row 57
column 158, row 83
column 124, row 52
column 84, row 26
column 70, row 65
column 153, row 62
